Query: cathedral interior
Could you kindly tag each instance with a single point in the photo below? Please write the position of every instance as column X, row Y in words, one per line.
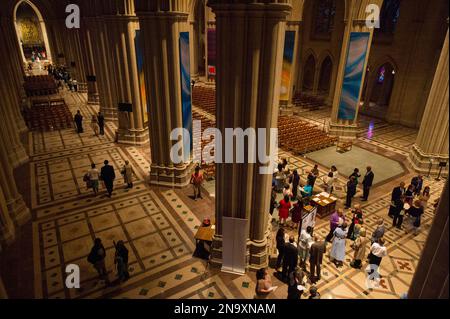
column 341, row 89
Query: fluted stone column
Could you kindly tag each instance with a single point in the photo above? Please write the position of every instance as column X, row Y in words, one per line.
column 431, row 277
column 121, row 34
column 86, row 38
column 3, row 294
column 250, row 40
column 9, row 107
column 432, row 139
column 356, row 22
column 7, row 229
column 161, row 22
column 15, row 204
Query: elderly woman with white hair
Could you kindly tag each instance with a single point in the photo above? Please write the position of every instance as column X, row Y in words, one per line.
column 127, row 172
column 337, row 254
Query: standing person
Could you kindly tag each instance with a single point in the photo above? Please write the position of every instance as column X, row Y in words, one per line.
column 399, row 212
column 351, row 191
column 97, row 258
column 357, row 219
column 415, row 212
column 304, row 243
column 379, row 231
column 377, row 252
column 396, row 195
column 283, row 209
column 273, row 200
column 295, row 281
column 78, row 118
column 101, row 123
column 263, row 284
column 127, row 172
column 315, row 173
column 297, row 213
column 316, row 252
column 94, row 174
column 196, row 181
column 290, row 258
column 334, row 221
column 295, row 181
column 108, row 175
column 335, row 175
column 310, row 179
column 355, row 174
column 417, row 182
column 360, row 249
column 424, row 197
column 281, row 243
column 94, row 124
column 409, row 194
column 367, row 183
column 337, row 254
column 328, row 182
column 121, row 261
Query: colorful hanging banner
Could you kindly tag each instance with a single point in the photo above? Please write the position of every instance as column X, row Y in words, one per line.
column 354, row 71
column 140, row 68
column 186, row 107
column 289, row 42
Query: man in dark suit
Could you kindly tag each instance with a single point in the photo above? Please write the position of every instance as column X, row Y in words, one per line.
column 351, row 191
column 396, row 195
column 290, row 257
column 107, row 175
column 367, row 183
column 316, row 252
column 101, row 123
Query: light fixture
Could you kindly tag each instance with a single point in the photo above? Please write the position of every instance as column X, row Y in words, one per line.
column 393, row 71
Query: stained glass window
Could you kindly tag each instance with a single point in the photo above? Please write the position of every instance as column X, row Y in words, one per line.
column 325, row 11
column 381, row 74
column 390, row 12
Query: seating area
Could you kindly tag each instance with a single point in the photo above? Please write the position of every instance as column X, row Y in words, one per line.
column 38, row 85
column 209, row 170
column 48, row 115
column 300, row 137
column 307, row 101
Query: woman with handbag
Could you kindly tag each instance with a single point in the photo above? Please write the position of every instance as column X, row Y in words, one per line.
column 359, row 246
column 93, row 175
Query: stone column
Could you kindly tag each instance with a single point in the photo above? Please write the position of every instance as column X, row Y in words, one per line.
column 250, row 40
column 121, row 32
column 430, row 280
column 9, row 105
column 162, row 22
column 7, row 229
column 86, row 41
column 356, row 22
column 432, row 139
column 15, row 204
column 3, row 294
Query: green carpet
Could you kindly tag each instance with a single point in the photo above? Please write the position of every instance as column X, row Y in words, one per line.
column 382, row 167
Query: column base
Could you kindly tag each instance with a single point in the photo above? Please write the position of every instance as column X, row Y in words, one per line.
column 19, row 211
column 348, row 131
column 421, row 161
column 18, row 156
column 171, row 176
column 133, row 137
column 286, row 110
column 93, row 98
column 257, row 255
column 109, row 113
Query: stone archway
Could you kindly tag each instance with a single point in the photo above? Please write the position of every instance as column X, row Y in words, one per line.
column 326, row 70
column 31, row 32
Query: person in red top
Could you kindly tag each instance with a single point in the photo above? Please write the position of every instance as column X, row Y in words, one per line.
column 196, row 181
column 283, row 209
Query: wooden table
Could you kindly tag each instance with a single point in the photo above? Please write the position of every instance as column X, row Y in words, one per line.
column 325, row 205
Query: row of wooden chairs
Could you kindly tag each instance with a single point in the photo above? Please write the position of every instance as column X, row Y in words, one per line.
column 48, row 115
column 310, row 102
column 39, row 85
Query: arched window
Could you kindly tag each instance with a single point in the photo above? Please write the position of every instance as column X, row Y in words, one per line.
column 309, row 71
column 389, row 14
column 325, row 75
column 324, row 12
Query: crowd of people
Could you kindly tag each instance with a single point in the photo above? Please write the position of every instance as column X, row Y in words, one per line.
column 107, row 176
column 294, row 254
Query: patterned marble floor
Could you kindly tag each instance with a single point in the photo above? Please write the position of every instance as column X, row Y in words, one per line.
column 158, row 225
